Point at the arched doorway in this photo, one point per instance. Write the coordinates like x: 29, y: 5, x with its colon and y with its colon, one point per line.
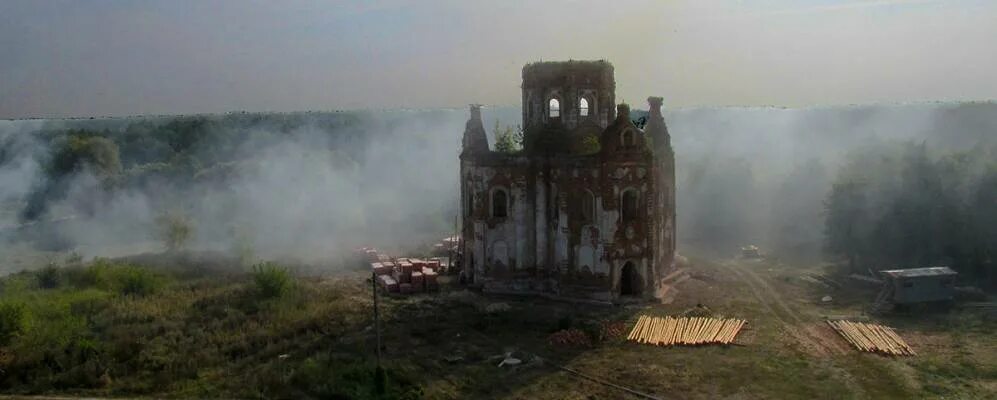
x: 629, y: 280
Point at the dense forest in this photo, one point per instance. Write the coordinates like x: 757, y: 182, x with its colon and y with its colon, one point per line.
x: 903, y: 206
x: 302, y: 185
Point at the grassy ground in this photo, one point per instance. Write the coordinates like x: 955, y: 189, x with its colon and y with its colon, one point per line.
x: 194, y: 328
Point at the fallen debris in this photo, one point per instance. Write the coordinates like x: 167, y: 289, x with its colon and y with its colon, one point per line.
x: 872, y: 338
x: 670, y: 331
x: 571, y: 337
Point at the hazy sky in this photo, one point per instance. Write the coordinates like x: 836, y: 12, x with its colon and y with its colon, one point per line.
x: 85, y: 58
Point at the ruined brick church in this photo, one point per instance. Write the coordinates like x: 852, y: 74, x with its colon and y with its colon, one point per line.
x: 586, y: 209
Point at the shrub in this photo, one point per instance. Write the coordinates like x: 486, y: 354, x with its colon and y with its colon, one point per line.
x: 271, y: 280
x: 136, y: 281
x: 175, y: 229
x: 121, y: 278
x: 95, y: 275
x: 13, y: 318
x: 48, y: 277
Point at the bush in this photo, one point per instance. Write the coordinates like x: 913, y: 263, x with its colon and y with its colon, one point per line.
x: 272, y: 280
x: 13, y: 318
x: 136, y: 281
x: 48, y: 277
x: 124, y: 279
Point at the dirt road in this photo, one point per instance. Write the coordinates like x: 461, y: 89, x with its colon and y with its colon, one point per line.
x: 811, y: 334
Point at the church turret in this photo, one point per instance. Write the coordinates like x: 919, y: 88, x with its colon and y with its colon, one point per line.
x: 475, y: 140
x: 622, y: 135
x: 656, y: 128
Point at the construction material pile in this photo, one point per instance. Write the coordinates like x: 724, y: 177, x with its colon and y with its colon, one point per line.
x: 573, y: 337
x: 872, y: 338
x: 403, y: 275
x: 670, y: 331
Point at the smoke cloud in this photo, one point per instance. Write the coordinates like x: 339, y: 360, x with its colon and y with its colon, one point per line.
x: 314, y: 190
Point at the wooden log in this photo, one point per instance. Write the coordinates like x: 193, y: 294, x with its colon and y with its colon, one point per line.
x: 698, y: 337
x: 716, y: 330
x: 850, y: 330
x: 729, y: 331
x: 883, y: 344
x: 637, y: 327
x: 719, y: 330
x: 887, y: 341
x: 737, y: 329
x: 669, y: 328
x: 692, y: 330
x: 650, y: 328
x: 653, y: 335
x: 712, y: 335
x: 681, y: 330
x: 897, y: 345
x: 687, y: 333
x: 856, y: 330
x: 661, y: 333
x: 670, y: 334
x: 900, y: 340
x: 838, y: 331
x: 847, y: 330
x: 633, y: 331
x: 727, y: 325
x: 658, y: 323
x: 900, y: 344
x: 657, y: 331
x: 701, y: 339
x: 875, y: 345
x: 695, y: 330
x: 643, y: 330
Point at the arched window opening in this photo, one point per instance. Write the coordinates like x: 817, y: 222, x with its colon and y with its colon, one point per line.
x: 628, y: 138
x: 630, y: 282
x: 555, y: 108
x: 588, y: 207
x: 583, y: 107
x: 629, y: 206
x: 500, y: 204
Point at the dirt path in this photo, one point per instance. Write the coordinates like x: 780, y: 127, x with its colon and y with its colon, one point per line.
x: 812, y: 336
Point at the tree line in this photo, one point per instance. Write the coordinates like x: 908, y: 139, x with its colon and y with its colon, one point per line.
x: 906, y: 206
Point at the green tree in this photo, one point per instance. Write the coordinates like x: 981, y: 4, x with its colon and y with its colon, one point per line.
x: 76, y: 152
x: 845, y: 226
x: 508, y: 139
x: 175, y: 229
x: 13, y: 320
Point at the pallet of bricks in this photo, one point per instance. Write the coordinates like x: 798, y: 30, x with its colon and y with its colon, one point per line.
x: 406, y: 275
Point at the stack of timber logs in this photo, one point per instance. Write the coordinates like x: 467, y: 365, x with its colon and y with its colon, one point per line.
x: 670, y: 331
x: 872, y: 338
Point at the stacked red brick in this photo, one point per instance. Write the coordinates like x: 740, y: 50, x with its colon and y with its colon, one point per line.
x: 404, y: 275
x: 429, y: 276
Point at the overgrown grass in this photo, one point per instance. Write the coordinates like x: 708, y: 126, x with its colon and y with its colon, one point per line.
x: 272, y: 280
x: 111, y: 328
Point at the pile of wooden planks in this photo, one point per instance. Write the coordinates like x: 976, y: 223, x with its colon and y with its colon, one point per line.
x: 670, y: 331
x: 872, y: 338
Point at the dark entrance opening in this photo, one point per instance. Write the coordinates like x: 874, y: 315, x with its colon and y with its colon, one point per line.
x: 629, y: 280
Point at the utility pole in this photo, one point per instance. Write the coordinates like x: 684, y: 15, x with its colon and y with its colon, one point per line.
x: 377, y: 317
x: 379, y: 376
